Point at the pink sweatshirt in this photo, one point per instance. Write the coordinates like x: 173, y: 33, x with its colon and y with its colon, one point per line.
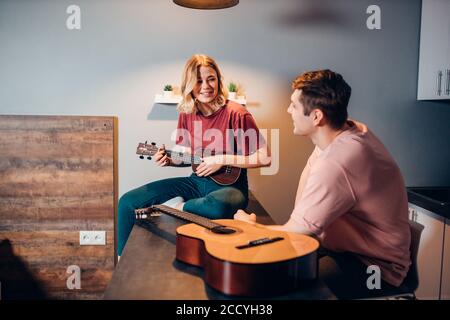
x: 353, y: 197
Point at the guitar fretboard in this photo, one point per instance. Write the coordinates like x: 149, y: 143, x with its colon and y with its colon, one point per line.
x: 202, y: 221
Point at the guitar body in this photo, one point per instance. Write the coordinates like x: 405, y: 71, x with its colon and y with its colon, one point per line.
x: 225, y: 176
x: 264, y: 270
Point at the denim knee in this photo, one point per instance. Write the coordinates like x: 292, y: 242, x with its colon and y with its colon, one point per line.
x: 225, y: 205
x: 125, y: 220
x: 126, y: 202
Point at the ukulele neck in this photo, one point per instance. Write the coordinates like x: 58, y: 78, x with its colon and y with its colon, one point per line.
x: 184, y: 158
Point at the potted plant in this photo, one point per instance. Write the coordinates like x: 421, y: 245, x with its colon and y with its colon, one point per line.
x: 232, y: 89
x: 168, y: 91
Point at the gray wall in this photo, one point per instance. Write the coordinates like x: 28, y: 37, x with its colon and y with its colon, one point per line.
x: 127, y: 50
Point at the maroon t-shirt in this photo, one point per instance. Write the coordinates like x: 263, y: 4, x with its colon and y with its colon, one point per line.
x: 229, y: 130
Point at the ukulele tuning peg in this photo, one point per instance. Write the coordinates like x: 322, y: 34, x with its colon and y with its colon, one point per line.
x: 153, y: 144
x: 141, y: 157
x: 149, y: 158
x: 145, y: 143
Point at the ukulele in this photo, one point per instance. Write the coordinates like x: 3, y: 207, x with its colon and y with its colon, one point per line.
x: 239, y: 258
x: 227, y: 175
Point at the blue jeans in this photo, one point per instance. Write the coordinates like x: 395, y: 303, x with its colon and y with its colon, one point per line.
x: 202, y: 196
x: 346, y: 276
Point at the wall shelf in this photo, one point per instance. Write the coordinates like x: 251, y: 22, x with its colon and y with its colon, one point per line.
x: 159, y: 98
x: 240, y: 101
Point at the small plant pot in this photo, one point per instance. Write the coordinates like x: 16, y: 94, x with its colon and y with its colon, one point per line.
x: 231, y: 95
x: 168, y: 94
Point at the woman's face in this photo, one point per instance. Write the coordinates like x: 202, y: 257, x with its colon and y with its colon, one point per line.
x: 207, y: 86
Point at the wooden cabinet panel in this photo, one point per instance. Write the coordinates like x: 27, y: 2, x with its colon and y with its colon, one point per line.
x: 57, y: 177
x: 445, y: 284
x: 429, y: 256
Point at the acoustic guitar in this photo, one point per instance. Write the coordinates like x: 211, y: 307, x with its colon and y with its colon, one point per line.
x: 225, y: 176
x: 239, y: 258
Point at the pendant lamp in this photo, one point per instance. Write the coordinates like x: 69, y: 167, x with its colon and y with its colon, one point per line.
x: 207, y: 4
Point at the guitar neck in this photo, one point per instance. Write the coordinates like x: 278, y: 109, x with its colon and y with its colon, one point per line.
x: 202, y: 221
x: 185, y: 158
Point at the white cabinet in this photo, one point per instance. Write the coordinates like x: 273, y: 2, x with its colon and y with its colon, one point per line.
x: 429, y: 258
x: 434, y: 56
x: 445, y: 283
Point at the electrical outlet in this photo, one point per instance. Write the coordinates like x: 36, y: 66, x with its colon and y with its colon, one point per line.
x: 92, y: 238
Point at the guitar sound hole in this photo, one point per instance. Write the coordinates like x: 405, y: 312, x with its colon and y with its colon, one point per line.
x: 222, y: 230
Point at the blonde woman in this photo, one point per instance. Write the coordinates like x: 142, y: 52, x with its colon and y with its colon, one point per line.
x: 221, y: 132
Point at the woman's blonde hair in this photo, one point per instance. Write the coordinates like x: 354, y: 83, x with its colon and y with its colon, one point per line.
x: 189, y: 79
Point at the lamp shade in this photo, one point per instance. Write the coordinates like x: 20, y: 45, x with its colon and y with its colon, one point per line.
x: 207, y: 4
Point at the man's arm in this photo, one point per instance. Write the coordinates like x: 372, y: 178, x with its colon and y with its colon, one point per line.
x: 326, y: 196
x: 290, y: 226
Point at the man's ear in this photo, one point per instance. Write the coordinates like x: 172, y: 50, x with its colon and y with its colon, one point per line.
x: 318, y: 117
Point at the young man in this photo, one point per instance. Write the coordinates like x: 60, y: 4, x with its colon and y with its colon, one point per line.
x: 351, y: 194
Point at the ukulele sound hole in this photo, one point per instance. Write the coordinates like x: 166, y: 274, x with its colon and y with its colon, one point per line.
x: 222, y: 230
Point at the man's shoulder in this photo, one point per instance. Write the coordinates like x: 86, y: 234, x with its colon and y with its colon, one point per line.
x: 353, y: 142
x: 326, y: 164
x: 359, y: 151
x: 349, y: 150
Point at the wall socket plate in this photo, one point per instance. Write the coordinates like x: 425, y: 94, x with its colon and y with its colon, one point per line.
x: 92, y: 238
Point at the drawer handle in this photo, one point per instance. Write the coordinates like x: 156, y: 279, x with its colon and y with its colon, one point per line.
x: 439, y: 83
x: 447, y: 85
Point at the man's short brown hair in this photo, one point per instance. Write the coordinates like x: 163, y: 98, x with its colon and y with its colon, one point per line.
x: 325, y: 90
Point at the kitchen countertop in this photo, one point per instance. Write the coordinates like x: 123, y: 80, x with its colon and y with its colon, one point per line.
x: 434, y: 199
x: 148, y: 268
